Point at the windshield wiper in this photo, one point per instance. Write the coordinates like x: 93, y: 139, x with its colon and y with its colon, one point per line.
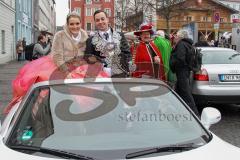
x: 171, y: 148
x: 55, y: 152
x: 234, y: 55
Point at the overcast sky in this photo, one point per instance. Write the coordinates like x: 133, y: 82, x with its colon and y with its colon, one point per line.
x: 61, y: 11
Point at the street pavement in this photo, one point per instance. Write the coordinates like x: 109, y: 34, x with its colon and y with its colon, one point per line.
x: 228, y: 128
x: 8, y: 72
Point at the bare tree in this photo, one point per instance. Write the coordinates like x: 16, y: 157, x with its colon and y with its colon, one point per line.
x: 121, y: 11
x: 167, y: 9
x: 126, y: 8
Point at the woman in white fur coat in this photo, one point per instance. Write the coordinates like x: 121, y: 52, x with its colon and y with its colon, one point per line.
x: 69, y: 43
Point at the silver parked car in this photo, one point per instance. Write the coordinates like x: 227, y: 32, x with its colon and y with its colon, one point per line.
x: 219, y: 78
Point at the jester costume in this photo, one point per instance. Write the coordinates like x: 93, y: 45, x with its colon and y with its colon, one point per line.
x: 115, y: 54
x: 164, y: 46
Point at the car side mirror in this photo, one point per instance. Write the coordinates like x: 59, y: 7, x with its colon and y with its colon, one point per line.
x: 210, y: 116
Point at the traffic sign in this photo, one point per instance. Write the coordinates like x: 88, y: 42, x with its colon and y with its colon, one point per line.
x: 236, y: 20
x: 217, y: 17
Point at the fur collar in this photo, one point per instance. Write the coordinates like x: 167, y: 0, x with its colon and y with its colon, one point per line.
x: 84, y: 35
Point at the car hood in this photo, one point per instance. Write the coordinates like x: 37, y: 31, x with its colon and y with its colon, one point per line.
x: 215, y: 149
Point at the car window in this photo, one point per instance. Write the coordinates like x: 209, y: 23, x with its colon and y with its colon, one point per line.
x: 35, y: 120
x: 221, y: 57
x: 59, y: 118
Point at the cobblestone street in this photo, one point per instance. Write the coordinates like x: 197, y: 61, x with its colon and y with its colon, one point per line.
x: 7, y: 74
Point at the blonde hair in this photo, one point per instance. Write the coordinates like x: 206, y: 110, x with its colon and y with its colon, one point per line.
x: 73, y: 14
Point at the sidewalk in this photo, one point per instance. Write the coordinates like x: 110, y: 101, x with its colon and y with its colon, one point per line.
x: 8, y: 72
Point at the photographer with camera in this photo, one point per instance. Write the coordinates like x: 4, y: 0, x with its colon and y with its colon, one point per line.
x: 42, y: 47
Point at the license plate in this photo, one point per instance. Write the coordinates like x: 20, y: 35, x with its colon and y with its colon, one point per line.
x: 230, y: 78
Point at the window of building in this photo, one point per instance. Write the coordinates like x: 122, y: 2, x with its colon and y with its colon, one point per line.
x: 23, y: 31
x: 25, y: 6
x: 3, y: 42
x: 108, y: 11
x: 204, y: 19
x: 222, y: 20
x: 19, y: 30
x: 189, y: 18
x: 97, y: 0
x: 78, y: 10
x: 20, y: 6
x: 209, y: 19
x: 88, y: 12
x: 118, y: 14
x: 26, y: 34
x: 29, y: 7
x: 89, y: 27
x: 107, y: 0
x: 96, y: 9
x: 88, y: 1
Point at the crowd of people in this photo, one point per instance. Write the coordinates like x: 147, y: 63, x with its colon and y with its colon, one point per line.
x: 20, y: 49
x: 35, y: 50
x: 151, y: 56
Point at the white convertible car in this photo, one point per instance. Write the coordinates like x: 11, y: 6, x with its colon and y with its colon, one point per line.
x: 109, y: 119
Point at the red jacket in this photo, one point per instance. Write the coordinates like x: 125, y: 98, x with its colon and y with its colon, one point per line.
x: 144, y: 61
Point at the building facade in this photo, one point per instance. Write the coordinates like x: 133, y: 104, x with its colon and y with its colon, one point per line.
x: 210, y: 16
x: 235, y: 4
x: 44, y: 17
x: 86, y: 9
x: 7, y: 31
x: 35, y: 20
x: 139, y: 12
x: 24, y: 20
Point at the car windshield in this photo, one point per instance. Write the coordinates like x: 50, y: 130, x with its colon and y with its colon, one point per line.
x: 116, y: 119
x: 220, y: 57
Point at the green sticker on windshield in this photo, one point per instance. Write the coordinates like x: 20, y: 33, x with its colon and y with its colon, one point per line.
x: 27, y: 135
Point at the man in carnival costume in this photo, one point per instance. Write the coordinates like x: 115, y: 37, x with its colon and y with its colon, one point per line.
x: 164, y: 45
x: 148, y: 57
x: 110, y: 46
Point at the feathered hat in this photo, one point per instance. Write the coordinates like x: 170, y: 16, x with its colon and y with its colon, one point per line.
x: 145, y: 27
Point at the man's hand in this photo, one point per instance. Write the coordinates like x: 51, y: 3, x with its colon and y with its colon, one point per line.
x: 132, y: 67
x: 157, y: 59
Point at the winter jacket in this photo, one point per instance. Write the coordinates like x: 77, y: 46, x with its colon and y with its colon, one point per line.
x: 145, y: 61
x: 179, y: 55
x: 39, y: 50
x: 202, y: 44
x: 64, y: 48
